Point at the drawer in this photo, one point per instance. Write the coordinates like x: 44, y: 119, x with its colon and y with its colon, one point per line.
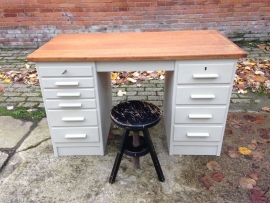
x: 67, y: 82
x: 69, y: 93
x: 205, y: 73
x: 73, y: 117
x: 195, y: 149
x: 200, y: 114
x: 53, y: 70
x: 202, y: 95
x: 198, y: 133
x: 78, y: 150
x: 73, y: 135
x: 71, y: 104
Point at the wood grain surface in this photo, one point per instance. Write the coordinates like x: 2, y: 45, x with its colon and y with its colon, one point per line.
x: 171, y: 45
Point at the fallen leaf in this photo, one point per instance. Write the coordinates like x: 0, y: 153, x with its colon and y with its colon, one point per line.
x: 131, y: 80
x: 264, y: 133
x: 111, y: 136
x: 10, y: 107
x: 247, y: 183
x: 120, y: 93
x: 1, y: 75
x: 260, y: 78
x: 266, y: 109
x: 244, y: 150
x: 228, y: 132
x: 162, y: 77
x: 261, y: 46
x: 6, y: 81
x: 254, y: 176
x: 257, y: 197
x: 2, y: 89
x: 205, y: 181
x: 114, y: 76
x: 252, y: 146
x: 213, y: 165
x: 257, y: 155
x: 233, y: 154
x: 217, y: 176
x: 27, y: 66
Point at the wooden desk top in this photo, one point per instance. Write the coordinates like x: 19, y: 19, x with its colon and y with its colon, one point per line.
x: 171, y: 45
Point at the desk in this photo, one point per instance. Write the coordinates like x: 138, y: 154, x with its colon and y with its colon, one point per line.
x: 74, y: 72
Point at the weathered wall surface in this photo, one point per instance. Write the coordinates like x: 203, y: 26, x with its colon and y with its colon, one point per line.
x: 31, y: 23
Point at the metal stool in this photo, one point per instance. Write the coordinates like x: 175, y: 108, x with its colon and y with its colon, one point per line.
x: 136, y: 116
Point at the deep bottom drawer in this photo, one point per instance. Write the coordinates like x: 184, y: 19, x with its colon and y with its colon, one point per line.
x: 79, y: 150
x: 195, y: 150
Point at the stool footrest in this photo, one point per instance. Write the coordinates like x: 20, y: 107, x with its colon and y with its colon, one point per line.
x: 138, y: 151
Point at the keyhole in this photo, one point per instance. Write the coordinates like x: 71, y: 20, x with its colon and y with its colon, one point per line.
x: 205, y: 68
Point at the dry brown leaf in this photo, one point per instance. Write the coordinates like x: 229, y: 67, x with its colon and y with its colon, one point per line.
x: 205, y: 181
x: 213, y: 165
x: 261, y: 46
x: 233, y: 154
x: 217, y: 176
x: 254, y: 176
x: 266, y: 109
x: 2, y: 89
x: 247, y: 183
x: 257, y: 197
x: 257, y: 155
x: 252, y: 146
x: 260, y: 78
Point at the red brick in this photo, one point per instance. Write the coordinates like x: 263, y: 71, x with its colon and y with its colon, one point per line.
x: 7, y: 15
x: 44, y: 1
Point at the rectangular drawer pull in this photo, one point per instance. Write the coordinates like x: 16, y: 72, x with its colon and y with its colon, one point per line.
x: 73, y: 119
x: 200, y: 116
x: 70, y: 105
x: 72, y: 94
x: 75, y: 136
x: 201, y: 96
x: 67, y: 83
x: 204, y: 76
x: 198, y: 134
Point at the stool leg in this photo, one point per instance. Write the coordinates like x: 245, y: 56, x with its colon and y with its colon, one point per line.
x: 119, y: 156
x: 153, y: 155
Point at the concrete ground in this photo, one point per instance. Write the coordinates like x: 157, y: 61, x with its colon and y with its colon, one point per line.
x: 29, y: 172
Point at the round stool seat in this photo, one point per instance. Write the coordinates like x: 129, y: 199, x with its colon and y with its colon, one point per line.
x: 136, y: 115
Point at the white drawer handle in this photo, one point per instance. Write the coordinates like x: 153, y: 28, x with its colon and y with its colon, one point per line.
x: 200, y: 116
x: 75, y: 136
x: 70, y: 105
x: 73, y: 119
x: 202, y: 96
x: 75, y: 94
x: 202, y: 76
x: 67, y: 83
x: 198, y: 134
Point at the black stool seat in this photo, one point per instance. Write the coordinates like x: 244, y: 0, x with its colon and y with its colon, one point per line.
x: 136, y: 116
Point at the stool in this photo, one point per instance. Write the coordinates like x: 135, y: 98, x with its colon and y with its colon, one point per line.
x: 136, y: 116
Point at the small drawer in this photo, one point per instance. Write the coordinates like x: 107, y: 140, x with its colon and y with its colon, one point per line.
x: 72, y: 135
x: 71, y: 104
x: 205, y: 73
x: 53, y: 70
x: 67, y: 82
x: 200, y: 114
x: 195, y: 149
x: 69, y: 93
x: 78, y: 150
x: 197, y: 133
x: 73, y: 117
x: 202, y: 95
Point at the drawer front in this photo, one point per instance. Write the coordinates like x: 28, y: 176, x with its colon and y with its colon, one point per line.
x: 197, y: 133
x: 67, y: 82
x: 199, y: 114
x: 65, y: 71
x: 202, y: 95
x: 195, y: 150
x: 78, y: 150
x: 69, y: 93
x: 73, y: 117
x: 71, y: 104
x: 205, y: 73
x: 72, y: 135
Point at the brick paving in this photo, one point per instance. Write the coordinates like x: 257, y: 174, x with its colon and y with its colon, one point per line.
x: 153, y: 90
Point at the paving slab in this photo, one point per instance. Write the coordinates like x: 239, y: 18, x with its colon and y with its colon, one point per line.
x: 36, y: 175
x: 12, y: 131
x: 40, y: 134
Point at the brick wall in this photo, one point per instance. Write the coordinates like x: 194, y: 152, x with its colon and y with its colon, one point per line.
x: 31, y: 23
